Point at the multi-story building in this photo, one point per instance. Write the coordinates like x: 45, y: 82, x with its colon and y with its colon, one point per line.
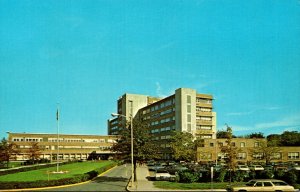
x: 70, y: 146
x: 211, y: 151
x: 185, y: 111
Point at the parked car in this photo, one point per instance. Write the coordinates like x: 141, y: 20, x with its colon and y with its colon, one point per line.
x: 242, y: 168
x: 281, y: 168
x: 173, y: 169
x: 295, y: 167
x: 155, y: 167
x: 162, y: 174
x: 265, y: 185
x: 256, y: 167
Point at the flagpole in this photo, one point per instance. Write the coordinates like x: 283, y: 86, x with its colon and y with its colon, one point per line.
x: 57, y: 120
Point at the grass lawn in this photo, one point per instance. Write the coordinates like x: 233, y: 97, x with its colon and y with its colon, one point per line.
x: 42, y: 174
x: 174, y: 185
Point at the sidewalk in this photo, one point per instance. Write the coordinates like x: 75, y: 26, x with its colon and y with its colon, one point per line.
x: 143, y: 184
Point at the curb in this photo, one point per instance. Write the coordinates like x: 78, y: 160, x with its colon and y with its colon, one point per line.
x: 60, y: 186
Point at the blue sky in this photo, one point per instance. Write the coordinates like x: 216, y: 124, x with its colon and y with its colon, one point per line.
x: 84, y: 54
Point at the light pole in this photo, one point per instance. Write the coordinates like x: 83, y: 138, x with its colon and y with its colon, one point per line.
x: 131, y: 133
x: 57, y: 120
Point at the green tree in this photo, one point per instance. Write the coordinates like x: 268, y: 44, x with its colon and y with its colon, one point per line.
x: 268, y: 149
x: 34, y: 152
x: 275, y: 139
x: 230, y: 151
x: 8, y: 151
x: 290, y: 138
x: 183, y: 146
x: 221, y: 134
x: 143, y: 146
x: 256, y: 135
x: 287, y: 138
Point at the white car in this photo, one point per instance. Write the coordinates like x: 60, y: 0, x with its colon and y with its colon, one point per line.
x: 256, y: 167
x: 162, y: 174
x: 243, y: 168
x: 265, y: 185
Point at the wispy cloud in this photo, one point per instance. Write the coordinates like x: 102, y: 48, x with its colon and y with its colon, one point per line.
x: 287, y: 123
x: 265, y: 108
x: 239, y: 113
x: 159, y: 91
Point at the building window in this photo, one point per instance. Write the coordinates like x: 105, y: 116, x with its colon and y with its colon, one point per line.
x: 189, y: 108
x: 189, y: 127
x: 293, y: 155
x: 188, y: 99
x: 243, y: 144
x: 189, y: 117
x: 205, y: 156
x: 206, y: 136
x: 258, y: 156
x: 276, y: 156
x: 211, y: 144
x: 241, y: 156
x: 256, y: 144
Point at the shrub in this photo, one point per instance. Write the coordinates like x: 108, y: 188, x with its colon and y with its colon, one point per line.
x: 279, y: 174
x: 222, y: 175
x: 267, y: 174
x: 187, y: 177
x: 239, y: 176
x: 291, y: 177
x: 252, y: 175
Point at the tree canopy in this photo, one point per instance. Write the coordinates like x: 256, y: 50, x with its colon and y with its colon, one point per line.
x: 34, y: 152
x: 143, y: 146
x: 230, y: 151
x: 287, y: 138
x: 183, y: 146
x: 7, y: 151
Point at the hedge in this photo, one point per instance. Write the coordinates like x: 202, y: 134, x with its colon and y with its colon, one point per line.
x: 72, y: 180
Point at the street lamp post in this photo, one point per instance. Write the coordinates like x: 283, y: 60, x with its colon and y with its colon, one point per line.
x: 131, y: 133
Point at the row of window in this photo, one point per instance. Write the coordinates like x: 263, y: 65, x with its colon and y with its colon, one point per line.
x: 256, y: 156
x: 203, y: 136
x: 204, y: 101
x: 162, y: 137
x: 201, y: 127
x: 203, y: 118
x: 162, y: 121
x: 162, y: 129
x: 63, y: 140
x: 159, y: 106
x: 242, y: 144
x: 203, y: 109
x: 156, y: 115
x: 66, y: 147
x: 28, y: 139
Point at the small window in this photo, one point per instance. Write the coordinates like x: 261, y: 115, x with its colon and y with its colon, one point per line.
x: 279, y: 183
x: 259, y: 184
x: 188, y: 99
x: 243, y: 144
x: 268, y: 184
x: 211, y: 144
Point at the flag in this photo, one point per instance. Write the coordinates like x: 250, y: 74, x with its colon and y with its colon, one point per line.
x: 57, y: 115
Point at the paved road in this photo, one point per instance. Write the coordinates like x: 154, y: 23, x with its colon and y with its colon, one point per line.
x: 114, y: 180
